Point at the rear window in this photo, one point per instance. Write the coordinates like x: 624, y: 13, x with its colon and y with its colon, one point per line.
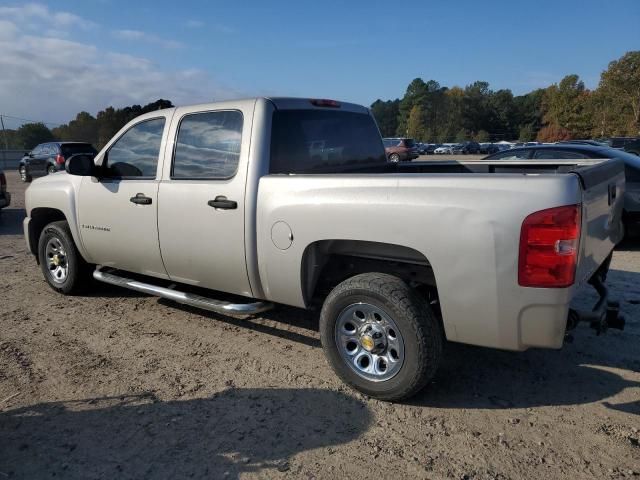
x: 324, y: 141
x: 409, y: 143
x: 75, y: 148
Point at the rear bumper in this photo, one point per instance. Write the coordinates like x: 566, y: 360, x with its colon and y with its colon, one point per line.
x: 546, y: 326
x: 5, y: 201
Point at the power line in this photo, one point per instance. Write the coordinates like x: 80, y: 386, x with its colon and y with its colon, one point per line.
x: 29, y: 120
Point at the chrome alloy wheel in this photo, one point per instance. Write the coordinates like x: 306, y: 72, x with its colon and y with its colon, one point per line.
x: 23, y: 173
x: 369, y: 342
x: 56, y: 260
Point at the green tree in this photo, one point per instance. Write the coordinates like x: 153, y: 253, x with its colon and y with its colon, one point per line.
x: 566, y: 106
x: 386, y: 114
x: 415, y: 126
x: 527, y: 133
x: 482, y: 136
x: 31, y: 134
x: 620, y: 89
x: 415, y: 95
x: 462, y: 135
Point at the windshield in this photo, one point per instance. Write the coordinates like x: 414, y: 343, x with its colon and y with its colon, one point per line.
x: 74, y: 148
x: 324, y: 141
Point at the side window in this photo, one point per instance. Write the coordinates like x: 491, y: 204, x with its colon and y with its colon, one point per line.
x: 37, y: 150
x: 135, y: 153
x: 208, y: 145
x: 512, y: 155
x: 558, y: 154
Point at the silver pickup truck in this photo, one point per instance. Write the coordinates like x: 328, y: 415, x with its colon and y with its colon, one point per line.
x: 238, y: 205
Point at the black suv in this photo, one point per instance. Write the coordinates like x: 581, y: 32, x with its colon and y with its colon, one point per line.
x: 49, y: 158
x: 467, y: 148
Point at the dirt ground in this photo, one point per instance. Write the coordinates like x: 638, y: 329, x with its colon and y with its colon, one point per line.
x: 121, y: 385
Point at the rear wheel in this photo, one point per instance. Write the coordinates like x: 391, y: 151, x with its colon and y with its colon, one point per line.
x: 51, y: 169
x: 380, y: 336
x: 63, y: 267
x: 24, y: 174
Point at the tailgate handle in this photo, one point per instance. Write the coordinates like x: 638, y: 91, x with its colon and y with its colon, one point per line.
x: 613, y: 191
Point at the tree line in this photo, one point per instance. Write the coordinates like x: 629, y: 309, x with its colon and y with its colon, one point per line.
x: 566, y: 110
x: 85, y: 127
x: 435, y: 113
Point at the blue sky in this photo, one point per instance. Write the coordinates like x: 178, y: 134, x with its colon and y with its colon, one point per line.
x: 117, y: 52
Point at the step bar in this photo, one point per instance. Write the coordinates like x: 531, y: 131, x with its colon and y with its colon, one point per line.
x: 213, y: 305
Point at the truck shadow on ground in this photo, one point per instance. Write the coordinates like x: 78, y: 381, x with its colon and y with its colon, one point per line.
x: 236, y: 431
x: 477, y: 378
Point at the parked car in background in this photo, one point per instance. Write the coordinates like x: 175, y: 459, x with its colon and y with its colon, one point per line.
x: 443, y: 150
x: 594, y: 143
x: 567, y: 151
x: 467, y: 148
x: 431, y: 148
x: 621, y: 142
x: 633, y: 147
x: 421, y: 148
x: 400, y: 149
x: 5, y: 197
x: 50, y: 157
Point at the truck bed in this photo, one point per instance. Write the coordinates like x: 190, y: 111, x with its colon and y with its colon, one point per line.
x: 590, y: 171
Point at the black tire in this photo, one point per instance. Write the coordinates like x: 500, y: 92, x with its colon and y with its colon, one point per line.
x: 419, y: 328
x: 78, y: 274
x: 51, y: 169
x: 24, y: 174
x: 394, y: 157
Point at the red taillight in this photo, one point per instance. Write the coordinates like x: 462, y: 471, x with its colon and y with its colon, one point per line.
x: 59, y: 159
x: 323, y: 102
x: 549, y: 247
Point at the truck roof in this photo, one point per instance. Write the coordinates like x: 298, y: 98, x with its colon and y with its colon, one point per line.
x: 282, y: 103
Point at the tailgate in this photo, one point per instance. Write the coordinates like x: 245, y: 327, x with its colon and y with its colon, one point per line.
x: 602, y: 200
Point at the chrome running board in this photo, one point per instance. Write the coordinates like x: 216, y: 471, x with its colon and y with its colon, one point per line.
x: 191, y: 299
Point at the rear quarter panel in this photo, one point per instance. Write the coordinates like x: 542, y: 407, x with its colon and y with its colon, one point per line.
x: 467, y: 227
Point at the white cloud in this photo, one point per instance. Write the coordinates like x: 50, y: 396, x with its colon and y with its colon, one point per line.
x: 194, y: 23
x: 32, y: 15
x: 51, y: 79
x: 138, y: 36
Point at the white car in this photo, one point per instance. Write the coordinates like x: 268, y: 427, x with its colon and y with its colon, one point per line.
x: 444, y: 149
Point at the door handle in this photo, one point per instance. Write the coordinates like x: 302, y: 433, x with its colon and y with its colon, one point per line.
x: 222, y: 202
x: 141, y: 199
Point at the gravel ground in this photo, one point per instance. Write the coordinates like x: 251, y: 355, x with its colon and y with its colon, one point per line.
x: 121, y: 385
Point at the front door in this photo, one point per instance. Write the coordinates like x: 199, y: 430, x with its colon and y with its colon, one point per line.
x: 118, y: 214
x: 201, y: 207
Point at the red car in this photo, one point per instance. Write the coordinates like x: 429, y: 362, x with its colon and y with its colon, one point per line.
x: 400, y: 149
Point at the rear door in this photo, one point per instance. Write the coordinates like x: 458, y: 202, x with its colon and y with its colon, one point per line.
x: 201, y: 205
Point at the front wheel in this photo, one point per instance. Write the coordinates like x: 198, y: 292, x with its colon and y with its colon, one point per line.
x: 63, y: 267
x: 394, y: 158
x: 380, y: 336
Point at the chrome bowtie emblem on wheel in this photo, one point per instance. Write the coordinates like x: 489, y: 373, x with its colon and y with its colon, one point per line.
x: 369, y: 342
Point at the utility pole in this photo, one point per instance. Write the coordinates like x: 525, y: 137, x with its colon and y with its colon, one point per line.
x: 6, y: 145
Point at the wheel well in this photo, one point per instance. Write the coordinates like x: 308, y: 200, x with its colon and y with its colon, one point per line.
x: 327, y: 263
x: 40, y: 218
